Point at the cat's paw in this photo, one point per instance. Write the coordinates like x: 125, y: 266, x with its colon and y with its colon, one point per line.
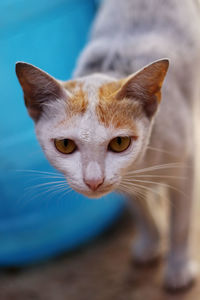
x: 146, y: 251
x: 180, y: 276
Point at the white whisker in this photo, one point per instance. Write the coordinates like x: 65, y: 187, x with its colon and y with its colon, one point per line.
x: 157, y: 167
x: 50, y: 191
x: 154, y: 191
x: 155, y: 176
x: 161, y: 151
x: 37, y: 172
x: 132, y: 189
x: 157, y: 183
x: 54, y: 183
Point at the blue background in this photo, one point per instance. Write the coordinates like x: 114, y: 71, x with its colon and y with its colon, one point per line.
x: 35, y: 224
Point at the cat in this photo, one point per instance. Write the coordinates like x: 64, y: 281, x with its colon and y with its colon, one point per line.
x: 107, y: 129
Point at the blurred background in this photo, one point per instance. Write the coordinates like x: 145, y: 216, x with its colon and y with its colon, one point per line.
x: 37, y: 223
x: 36, y: 220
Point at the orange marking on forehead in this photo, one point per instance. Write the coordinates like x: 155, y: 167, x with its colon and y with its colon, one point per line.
x: 114, y: 112
x: 77, y: 102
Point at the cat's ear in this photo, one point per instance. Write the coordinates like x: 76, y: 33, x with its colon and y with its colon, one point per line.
x: 38, y: 87
x: 145, y: 86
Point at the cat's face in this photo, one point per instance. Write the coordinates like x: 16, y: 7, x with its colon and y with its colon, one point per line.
x: 93, y: 129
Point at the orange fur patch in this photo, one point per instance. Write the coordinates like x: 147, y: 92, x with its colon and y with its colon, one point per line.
x: 118, y: 113
x: 77, y: 102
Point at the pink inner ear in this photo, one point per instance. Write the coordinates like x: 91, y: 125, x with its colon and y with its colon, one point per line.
x: 38, y: 87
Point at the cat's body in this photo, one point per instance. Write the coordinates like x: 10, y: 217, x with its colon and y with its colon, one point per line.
x: 87, y: 117
x: 127, y: 35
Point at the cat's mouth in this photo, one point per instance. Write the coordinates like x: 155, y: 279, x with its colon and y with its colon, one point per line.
x: 102, y: 191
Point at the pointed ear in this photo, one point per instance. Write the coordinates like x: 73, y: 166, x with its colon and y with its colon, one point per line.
x: 145, y: 86
x: 38, y: 88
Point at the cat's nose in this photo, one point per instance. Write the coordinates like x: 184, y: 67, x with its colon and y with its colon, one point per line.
x: 93, y: 184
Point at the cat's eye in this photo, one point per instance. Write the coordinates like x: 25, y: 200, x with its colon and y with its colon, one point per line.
x: 65, y: 146
x: 119, y: 144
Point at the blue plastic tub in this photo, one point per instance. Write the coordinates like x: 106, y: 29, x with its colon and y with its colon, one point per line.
x: 35, y: 224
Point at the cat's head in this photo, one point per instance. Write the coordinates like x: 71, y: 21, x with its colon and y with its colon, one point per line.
x: 95, y: 128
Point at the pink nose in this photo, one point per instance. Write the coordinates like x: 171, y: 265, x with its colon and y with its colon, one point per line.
x: 93, y: 184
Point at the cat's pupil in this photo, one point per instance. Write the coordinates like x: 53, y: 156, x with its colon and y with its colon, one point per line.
x: 119, y: 140
x: 65, y: 142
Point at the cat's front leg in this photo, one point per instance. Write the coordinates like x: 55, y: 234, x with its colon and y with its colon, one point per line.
x: 180, y: 269
x: 146, y: 245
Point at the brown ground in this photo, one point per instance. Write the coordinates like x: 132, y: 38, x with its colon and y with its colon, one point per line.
x: 100, y: 271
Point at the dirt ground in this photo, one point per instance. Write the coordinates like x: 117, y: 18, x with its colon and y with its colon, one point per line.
x: 102, y: 270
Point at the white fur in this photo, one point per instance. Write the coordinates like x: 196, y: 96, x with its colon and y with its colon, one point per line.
x: 92, y: 159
